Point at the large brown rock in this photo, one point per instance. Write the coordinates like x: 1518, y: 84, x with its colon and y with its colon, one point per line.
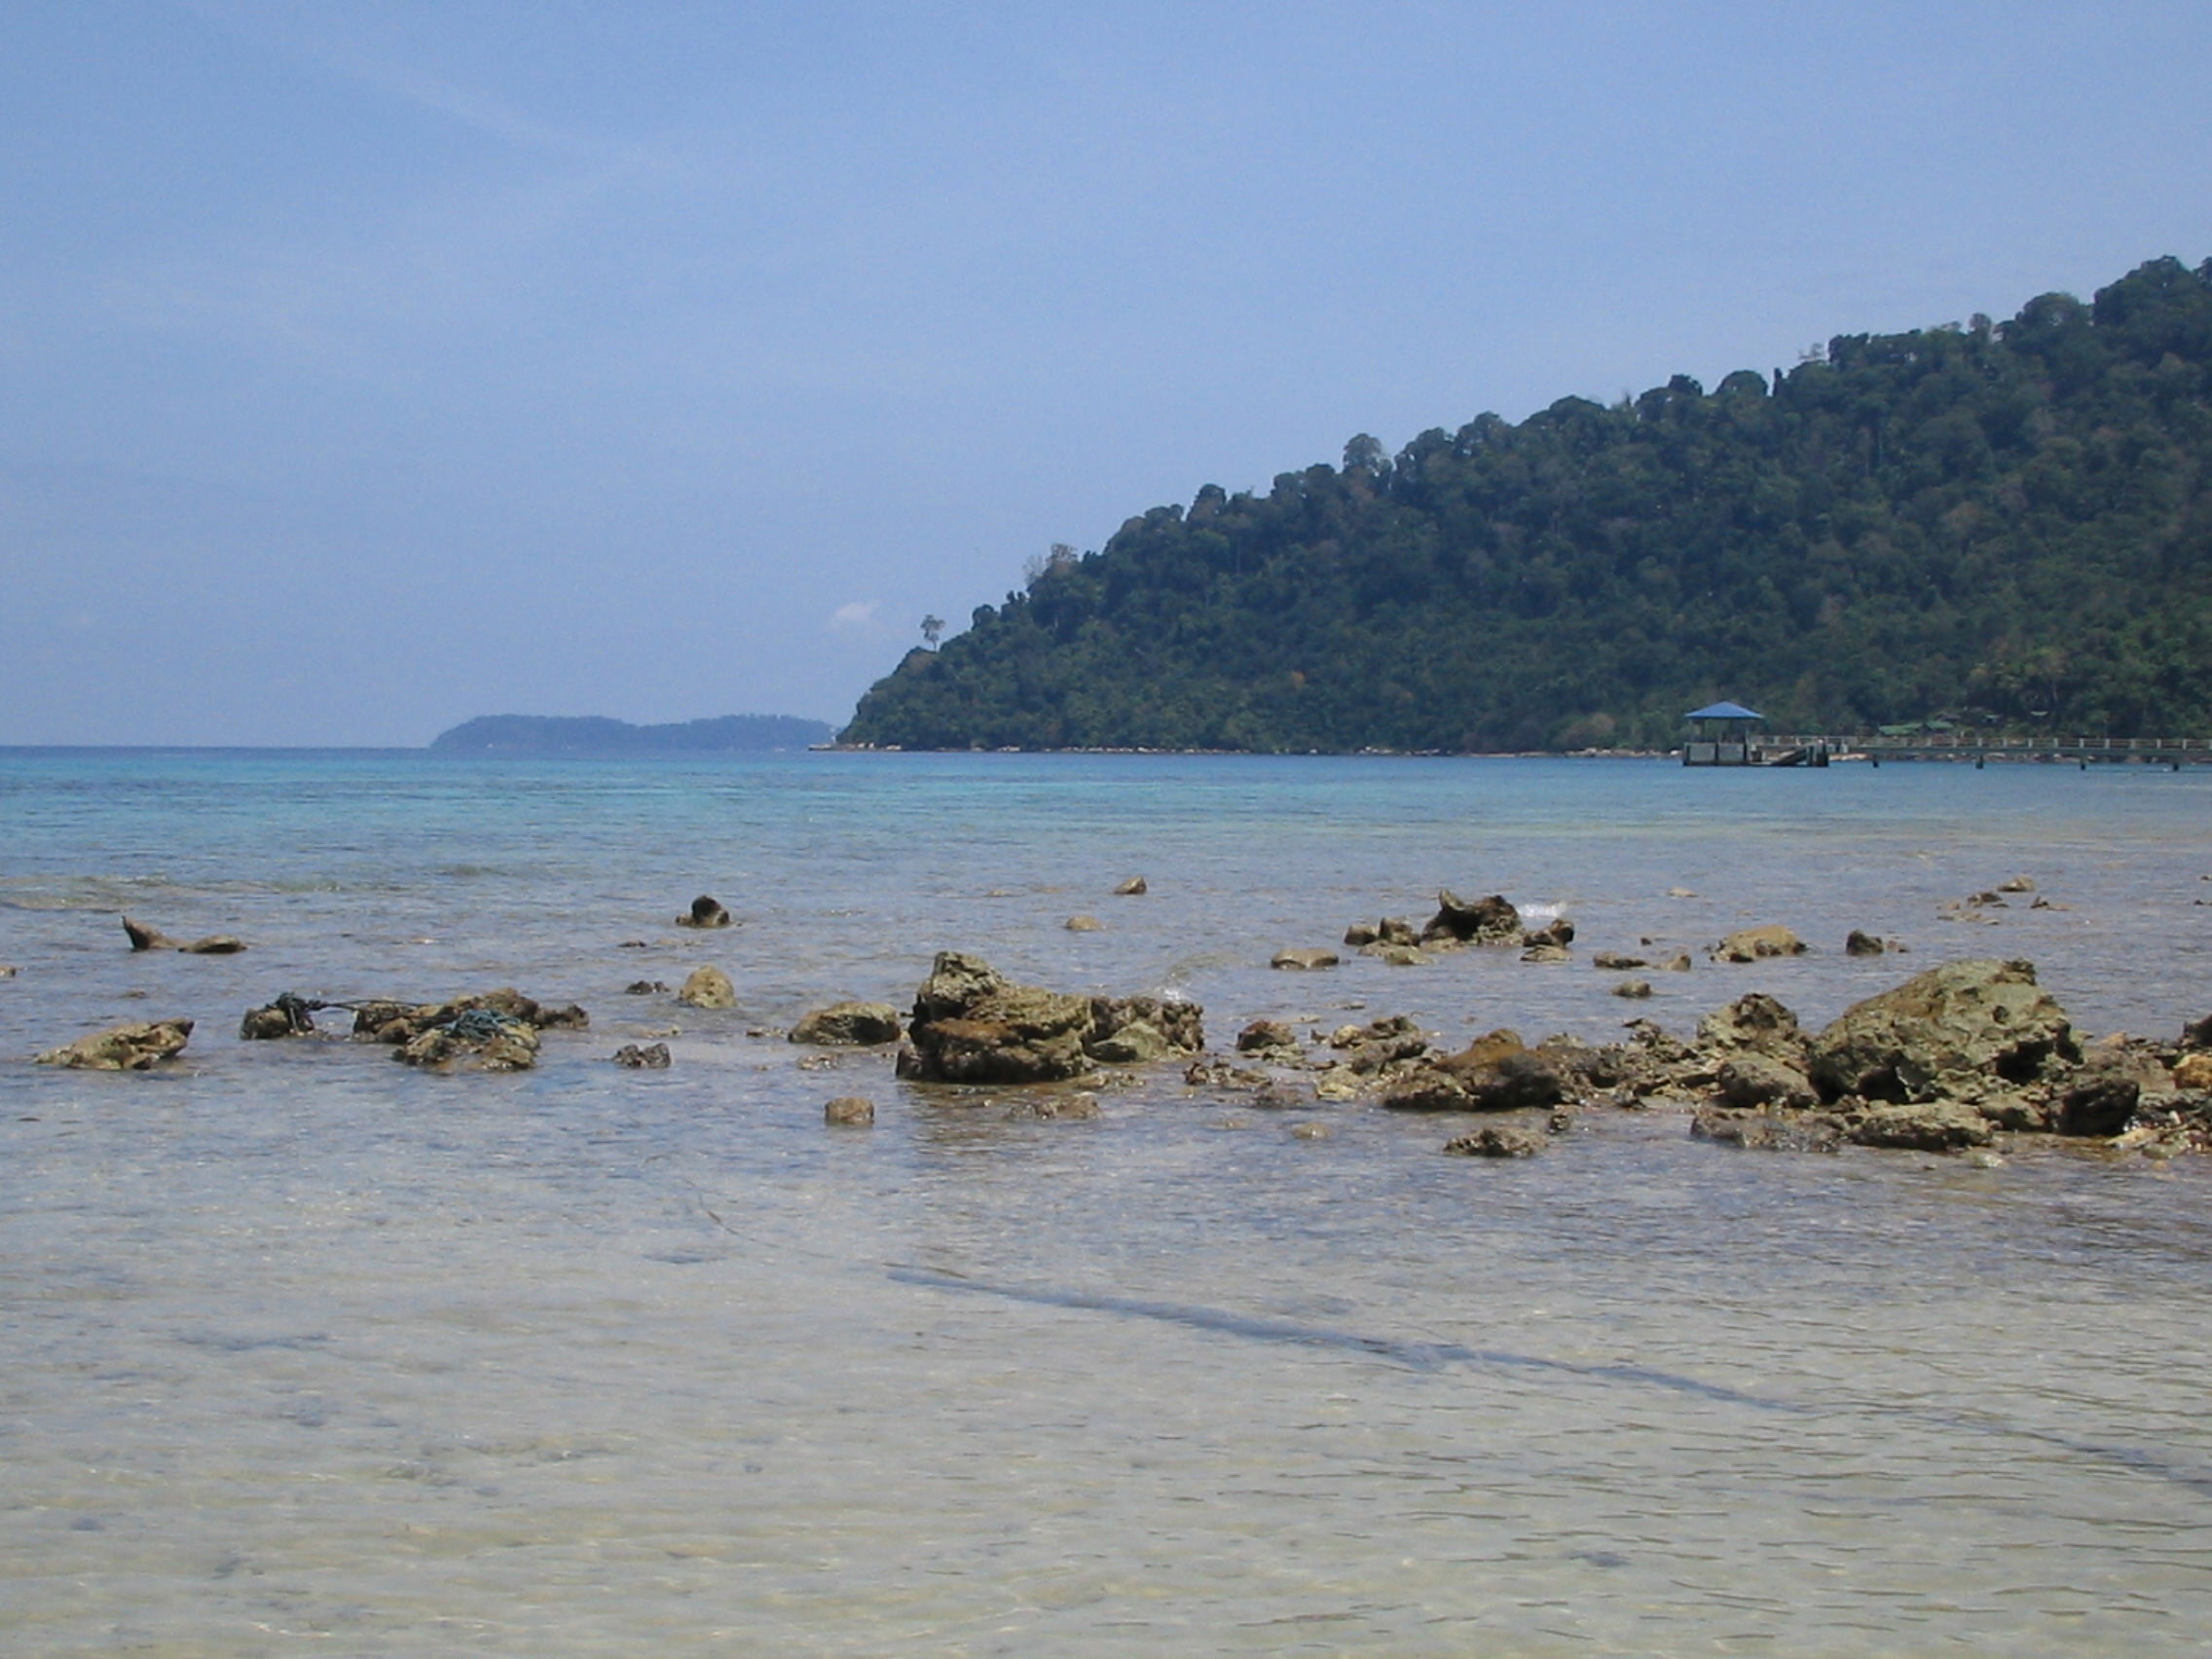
x: 1486, y: 921
x: 123, y: 1048
x: 1921, y: 1126
x: 1982, y: 1021
x: 971, y: 1024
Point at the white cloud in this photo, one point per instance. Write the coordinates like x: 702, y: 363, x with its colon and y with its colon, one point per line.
x: 860, y: 614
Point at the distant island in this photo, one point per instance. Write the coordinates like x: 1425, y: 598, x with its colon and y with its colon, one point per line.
x: 592, y: 734
x: 2007, y: 526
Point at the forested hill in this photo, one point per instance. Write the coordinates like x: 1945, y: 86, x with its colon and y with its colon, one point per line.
x: 2007, y: 523
x: 593, y: 734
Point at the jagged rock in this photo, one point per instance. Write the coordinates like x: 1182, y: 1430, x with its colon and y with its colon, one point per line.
x: 1752, y: 1079
x: 1634, y: 989
x: 706, y: 912
x: 1486, y: 921
x: 1862, y: 944
x: 1395, y: 930
x: 1981, y: 1019
x: 152, y: 938
x: 1304, y: 957
x: 2198, y: 1034
x: 1520, y: 1134
x: 1083, y: 924
x: 1618, y: 962
x: 651, y: 1058
x: 1158, y: 1025
x: 2193, y: 1071
x: 1266, y: 1035
x: 1132, y: 888
x: 1678, y: 963
x: 473, y: 1039
x: 123, y: 1048
x: 849, y: 1110
x: 708, y: 987
x: 1751, y: 944
x: 1360, y: 934
x: 972, y: 1025
x: 1547, y: 953
x: 1754, y: 1023
x: 849, y: 1024
x: 1764, y: 1130
x: 1921, y: 1126
x: 1558, y: 931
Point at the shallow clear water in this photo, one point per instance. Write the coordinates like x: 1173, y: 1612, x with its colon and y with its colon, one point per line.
x: 309, y: 1352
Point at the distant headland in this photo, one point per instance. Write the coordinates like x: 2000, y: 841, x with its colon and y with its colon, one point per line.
x: 594, y: 734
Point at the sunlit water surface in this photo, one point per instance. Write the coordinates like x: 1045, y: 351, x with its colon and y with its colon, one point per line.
x: 306, y: 1353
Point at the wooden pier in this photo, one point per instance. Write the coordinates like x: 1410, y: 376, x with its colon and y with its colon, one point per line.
x: 1818, y: 749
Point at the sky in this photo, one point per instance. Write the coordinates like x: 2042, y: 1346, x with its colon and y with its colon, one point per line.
x: 368, y: 367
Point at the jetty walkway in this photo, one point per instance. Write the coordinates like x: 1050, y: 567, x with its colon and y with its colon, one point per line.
x: 1817, y: 749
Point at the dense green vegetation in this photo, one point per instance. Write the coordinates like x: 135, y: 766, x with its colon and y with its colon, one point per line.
x: 593, y: 734
x: 2008, y: 525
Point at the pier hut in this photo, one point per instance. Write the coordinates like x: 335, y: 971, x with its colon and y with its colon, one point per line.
x: 1722, y: 736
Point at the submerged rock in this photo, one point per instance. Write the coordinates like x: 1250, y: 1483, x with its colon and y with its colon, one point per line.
x: 849, y: 1110
x: 1753, y: 944
x: 849, y: 1024
x: 123, y: 1048
x: 706, y: 911
x: 153, y: 939
x: 708, y: 987
x: 1302, y: 957
x: 1518, y: 1134
x: 651, y: 1058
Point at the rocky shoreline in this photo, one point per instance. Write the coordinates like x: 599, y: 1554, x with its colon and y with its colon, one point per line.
x: 1966, y: 1058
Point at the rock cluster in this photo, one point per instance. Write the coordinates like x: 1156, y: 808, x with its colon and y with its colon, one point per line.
x: 971, y: 1024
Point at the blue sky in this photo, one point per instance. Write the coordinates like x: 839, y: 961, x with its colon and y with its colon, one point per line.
x: 367, y: 367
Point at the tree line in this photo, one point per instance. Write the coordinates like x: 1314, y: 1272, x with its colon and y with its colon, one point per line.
x: 2006, y: 524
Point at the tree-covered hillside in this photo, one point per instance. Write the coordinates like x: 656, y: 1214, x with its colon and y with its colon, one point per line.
x: 2009, y: 524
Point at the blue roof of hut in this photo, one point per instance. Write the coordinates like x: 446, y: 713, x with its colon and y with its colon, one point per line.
x: 1725, y: 711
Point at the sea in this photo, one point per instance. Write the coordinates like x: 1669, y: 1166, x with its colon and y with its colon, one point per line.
x: 302, y: 1351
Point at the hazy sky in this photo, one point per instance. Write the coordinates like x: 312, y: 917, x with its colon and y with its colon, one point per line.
x: 365, y: 367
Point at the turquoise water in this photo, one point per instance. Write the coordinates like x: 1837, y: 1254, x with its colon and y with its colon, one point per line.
x: 309, y: 1353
